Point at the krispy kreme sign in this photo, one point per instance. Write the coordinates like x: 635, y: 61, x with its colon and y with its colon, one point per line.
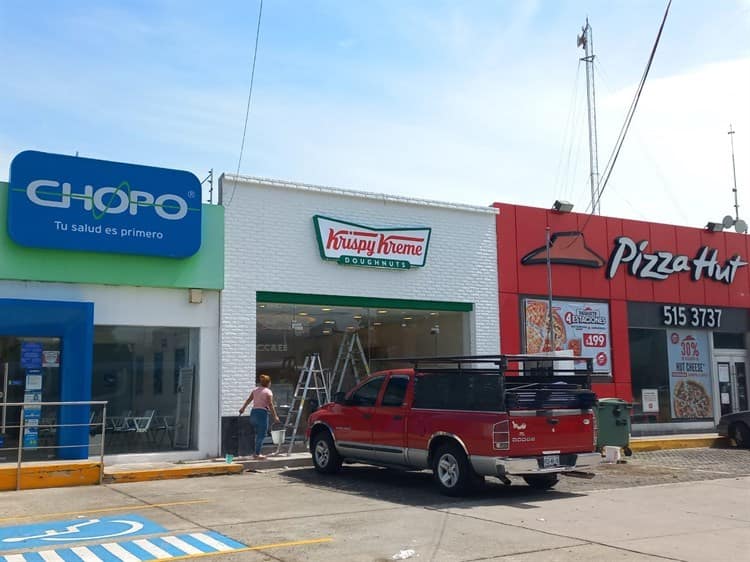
x: 354, y: 244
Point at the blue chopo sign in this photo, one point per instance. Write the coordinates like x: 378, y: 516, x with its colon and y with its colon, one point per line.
x: 73, y: 203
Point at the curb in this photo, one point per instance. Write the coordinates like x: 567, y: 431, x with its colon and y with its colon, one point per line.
x: 50, y: 475
x: 171, y: 473
x: 666, y: 443
x: 277, y: 463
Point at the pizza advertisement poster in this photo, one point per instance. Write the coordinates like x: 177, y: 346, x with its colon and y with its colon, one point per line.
x: 582, y: 327
x: 690, y: 389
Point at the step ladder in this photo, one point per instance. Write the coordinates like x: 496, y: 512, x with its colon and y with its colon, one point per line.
x: 351, y: 355
x: 311, y: 384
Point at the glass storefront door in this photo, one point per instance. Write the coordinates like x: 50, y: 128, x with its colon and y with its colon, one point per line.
x: 29, y: 372
x: 731, y: 369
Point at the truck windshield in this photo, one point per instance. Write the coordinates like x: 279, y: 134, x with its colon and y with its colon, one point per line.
x: 459, y: 391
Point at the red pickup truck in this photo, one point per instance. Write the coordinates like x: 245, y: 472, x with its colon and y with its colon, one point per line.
x: 465, y: 418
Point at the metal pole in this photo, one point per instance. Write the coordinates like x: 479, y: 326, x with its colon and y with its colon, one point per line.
x: 20, y: 449
x: 549, y: 292
x: 586, y: 40
x: 101, y: 450
x: 734, y: 174
x: 5, y: 397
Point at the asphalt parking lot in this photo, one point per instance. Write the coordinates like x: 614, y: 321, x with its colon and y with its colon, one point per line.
x: 676, y: 505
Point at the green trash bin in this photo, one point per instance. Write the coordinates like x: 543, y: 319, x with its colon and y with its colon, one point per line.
x: 613, y: 423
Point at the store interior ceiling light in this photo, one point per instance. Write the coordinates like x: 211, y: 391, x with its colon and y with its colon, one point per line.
x: 329, y: 322
x: 408, y: 318
x: 326, y: 309
x: 302, y: 314
x: 377, y: 323
x: 562, y: 206
x: 357, y: 316
x: 433, y: 313
x: 382, y: 312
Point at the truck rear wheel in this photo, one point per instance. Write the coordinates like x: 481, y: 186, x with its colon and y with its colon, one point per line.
x: 326, y: 458
x: 541, y: 481
x: 452, y: 470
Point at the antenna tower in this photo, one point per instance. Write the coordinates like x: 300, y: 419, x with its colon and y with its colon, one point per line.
x: 586, y: 42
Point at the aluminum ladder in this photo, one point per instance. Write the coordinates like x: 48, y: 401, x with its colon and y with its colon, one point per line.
x: 311, y: 380
x: 351, y: 354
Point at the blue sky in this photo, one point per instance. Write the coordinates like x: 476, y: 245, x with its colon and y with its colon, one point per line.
x: 471, y: 102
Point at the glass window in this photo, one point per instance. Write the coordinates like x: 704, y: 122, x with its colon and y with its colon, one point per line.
x: 148, y: 378
x: 725, y: 340
x: 395, y: 392
x: 367, y: 394
x: 649, y: 367
x: 459, y: 391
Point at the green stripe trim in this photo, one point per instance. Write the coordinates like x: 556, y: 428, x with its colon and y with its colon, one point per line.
x: 363, y: 302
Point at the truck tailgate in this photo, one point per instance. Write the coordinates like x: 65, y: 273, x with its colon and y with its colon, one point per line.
x: 538, y: 432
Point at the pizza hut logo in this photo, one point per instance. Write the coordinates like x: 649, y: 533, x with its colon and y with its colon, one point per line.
x: 355, y: 244
x: 519, y: 426
x: 565, y: 248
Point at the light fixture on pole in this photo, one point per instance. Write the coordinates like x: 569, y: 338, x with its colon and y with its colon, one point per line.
x: 549, y: 293
x: 562, y: 206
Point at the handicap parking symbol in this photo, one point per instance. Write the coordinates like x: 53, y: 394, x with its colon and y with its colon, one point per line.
x: 76, y: 530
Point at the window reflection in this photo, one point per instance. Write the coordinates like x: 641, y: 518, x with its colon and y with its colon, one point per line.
x: 146, y: 375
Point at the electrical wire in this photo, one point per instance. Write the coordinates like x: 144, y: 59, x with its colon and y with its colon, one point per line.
x: 247, y: 109
x: 628, y: 119
x: 674, y: 200
x: 569, y: 120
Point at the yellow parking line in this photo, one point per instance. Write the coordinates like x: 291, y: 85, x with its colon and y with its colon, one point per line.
x: 261, y: 547
x: 101, y: 510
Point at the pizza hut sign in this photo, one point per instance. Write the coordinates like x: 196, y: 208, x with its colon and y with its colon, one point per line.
x: 661, y: 265
x: 354, y: 244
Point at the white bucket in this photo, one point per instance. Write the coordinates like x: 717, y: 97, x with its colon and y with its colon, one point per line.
x: 611, y: 454
x: 278, y: 436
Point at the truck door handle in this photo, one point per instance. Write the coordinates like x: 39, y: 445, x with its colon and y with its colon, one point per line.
x: 553, y: 421
x: 398, y: 417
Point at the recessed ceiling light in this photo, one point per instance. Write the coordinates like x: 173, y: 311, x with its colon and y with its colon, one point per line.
x: 377, y: 323
x: 433, y: 313
x: 326, y: 332
x: 261, y: 306
x: 302, y: 314
x: 357, y: 316
x: 326, y: 309
x: 382, y: 312
x: 408, y: 318
x: 329, y: 322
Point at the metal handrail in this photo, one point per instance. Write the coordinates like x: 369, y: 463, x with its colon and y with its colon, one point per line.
x: 22, y: 425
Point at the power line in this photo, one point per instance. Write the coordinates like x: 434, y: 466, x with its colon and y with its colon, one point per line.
x: 249, y: 99
x: 629, y: 117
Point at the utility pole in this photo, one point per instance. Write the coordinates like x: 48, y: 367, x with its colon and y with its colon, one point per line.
x: 734, y: 174
x: 586, y: 41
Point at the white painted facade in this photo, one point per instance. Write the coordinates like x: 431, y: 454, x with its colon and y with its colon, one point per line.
x: 151, y: 307
x: 270, y: 245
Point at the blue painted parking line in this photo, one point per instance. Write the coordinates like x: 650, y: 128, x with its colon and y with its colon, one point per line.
x: 51, y: 533
x: 138, y: 550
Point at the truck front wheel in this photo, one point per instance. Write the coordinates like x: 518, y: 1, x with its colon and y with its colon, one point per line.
x: 326, y: 458
x: 452, y: 470
x: 541, y: 481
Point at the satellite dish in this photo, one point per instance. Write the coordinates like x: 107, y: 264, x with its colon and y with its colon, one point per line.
x: 727, y: 221
x: 740, y: 226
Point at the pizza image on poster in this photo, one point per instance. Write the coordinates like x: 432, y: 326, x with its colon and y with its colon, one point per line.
x: 582, y: 327
x: 689, y: 375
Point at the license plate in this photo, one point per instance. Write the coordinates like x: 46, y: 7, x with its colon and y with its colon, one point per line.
x: 550, y: 460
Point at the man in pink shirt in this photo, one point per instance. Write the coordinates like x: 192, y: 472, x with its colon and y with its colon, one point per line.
x: 262, y: 399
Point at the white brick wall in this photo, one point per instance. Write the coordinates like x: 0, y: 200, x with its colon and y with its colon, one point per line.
x: 271, y: 246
